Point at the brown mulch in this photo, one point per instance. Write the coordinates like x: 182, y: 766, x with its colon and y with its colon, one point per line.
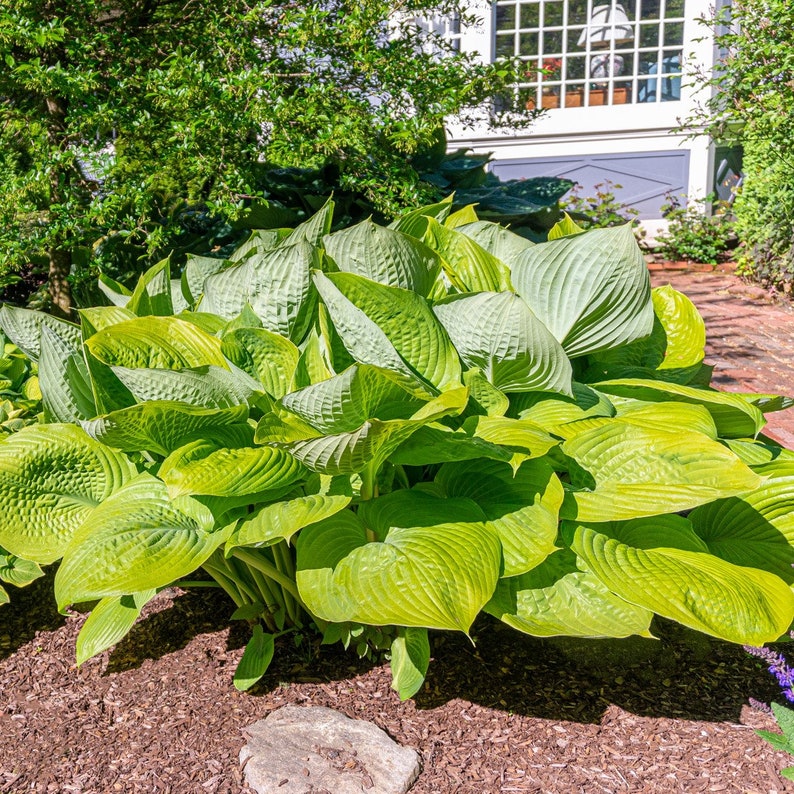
x: 510, y: 713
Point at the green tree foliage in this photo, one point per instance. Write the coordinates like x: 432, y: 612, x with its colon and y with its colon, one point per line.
x: 113, y: 112
x: 752, y: 105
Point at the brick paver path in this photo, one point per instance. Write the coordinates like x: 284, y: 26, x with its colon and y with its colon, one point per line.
x: 750, y: 340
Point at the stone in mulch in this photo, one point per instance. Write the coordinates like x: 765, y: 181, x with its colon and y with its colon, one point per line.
x: 297, y: 750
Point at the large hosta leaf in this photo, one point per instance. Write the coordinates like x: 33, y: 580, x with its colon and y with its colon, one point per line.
x: 51, y: 478
x: 156, y: 343
x: 268, y: 357
x: 436, y: 577
x: 139, y: 539
x: 160, y: 426
x: 384, y: 255
x: 276, y: 284
x: 642, y: 562
x: 756, y: 530
x: 23, y: 328
x: 733, y: 416
x: 152, y: 293
x: 437, y: 443
x: 627, y: 471
x: 65, y: 383
x: 559, y: 598
x: 548, y: 409
x: 496, y: 240
x: 197, y: 270
x: 499, y: 334
x: 592, y: 291
x: 522, y: 509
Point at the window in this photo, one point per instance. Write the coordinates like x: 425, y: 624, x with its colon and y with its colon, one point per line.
x: 593, y: 52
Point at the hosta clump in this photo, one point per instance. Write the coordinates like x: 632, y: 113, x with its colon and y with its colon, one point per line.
x: 382, y: 431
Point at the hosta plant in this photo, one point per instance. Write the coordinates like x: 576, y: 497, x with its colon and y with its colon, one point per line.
x: 382, y: 431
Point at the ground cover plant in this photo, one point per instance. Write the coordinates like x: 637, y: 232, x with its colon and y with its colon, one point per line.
x: 385, y: 430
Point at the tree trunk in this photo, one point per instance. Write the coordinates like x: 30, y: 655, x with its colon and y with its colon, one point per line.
x: 59, y: 289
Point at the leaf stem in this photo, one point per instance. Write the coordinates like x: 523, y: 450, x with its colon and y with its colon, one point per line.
x: 267, y: 568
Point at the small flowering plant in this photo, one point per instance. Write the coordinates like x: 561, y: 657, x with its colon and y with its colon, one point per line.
x: 784, y: 715
x: 551, y: 68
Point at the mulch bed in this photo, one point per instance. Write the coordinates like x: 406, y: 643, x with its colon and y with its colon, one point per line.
x: 512, y: 713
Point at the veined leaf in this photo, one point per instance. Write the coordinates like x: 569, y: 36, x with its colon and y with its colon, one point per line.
x: 197, y: 270
x: 23, y: 328
x: 384, y: 255
x: 410, y: 657
x: 733, y: 416
x: 434, y: 577
x: 64, y: 380
x: 315, y: 228
x: 496, y: 240
x: 628, y: 471
x: 499, y: 334
x: 266, y: 356
x: 115, y: 292
x: 97, y: 318
x: 138, y: 539
x: 484, y: 397
x: 758, y: 454
x: 558, y: 598
x: 255, y: 659
x: 17, y: 570
x: 437, y: 443
x: 548, y: 409
x: 313, y: 363
x: 564, y: 228
x: 152, y: 293
x: 592, y: 291
x: 694, y: 588
x: 414, y: 222
x: 51, y: 478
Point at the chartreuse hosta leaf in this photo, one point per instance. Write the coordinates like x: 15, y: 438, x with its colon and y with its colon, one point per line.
x: 592, y: 291
x: 281, y: 520
x: 437, y: 443
x: 156, y: 343
x: 413, y: 222
x: 559, y: 598
x: 255, y: 659
x: 313, y: 362
x: 109, y: 621
x: 266, y: 356
x: 115, y: 292
x: 484, y: 397
x: 522, y: 509
x: 392, y: 328
x: 496, y: 240
x: 17, y: 570
x: 498, y: 334
x: 152, y: 293
x: 365, y: 447
x: 410, y: 657
x: 768, y: 403
x: 384, y: 255
x: 276, y: 284
x: 97, y: 318
x: 469, y: 267
x: 669, y: 416
x: 23, y: 328
x: 206, y: 468
x: 548, y: 410
x: 656, y: 563
x: 433, y: 577
x: 518, y: 435
x: 205, y: 387
x: 733, y: 416
x: 51, y: 478
x: 65, y: 383
x: 160, y: 426
x: 760, y: 455
x: 627, y: 471
x: 136, y: 540
x: 756, y: 530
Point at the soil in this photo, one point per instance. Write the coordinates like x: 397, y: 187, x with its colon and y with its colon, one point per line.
x: 505, y: 713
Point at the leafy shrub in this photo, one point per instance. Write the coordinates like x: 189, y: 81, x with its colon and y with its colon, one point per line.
x: 600, y: 210
x: 694, y: 236
x: 386, y: 430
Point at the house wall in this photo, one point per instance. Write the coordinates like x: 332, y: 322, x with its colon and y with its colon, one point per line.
x: 633, y: 145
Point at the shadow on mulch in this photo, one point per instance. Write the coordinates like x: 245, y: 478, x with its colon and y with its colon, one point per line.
x: 32, y: 609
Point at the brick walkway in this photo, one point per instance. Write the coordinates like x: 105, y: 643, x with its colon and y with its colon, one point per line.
x: 750, y: 340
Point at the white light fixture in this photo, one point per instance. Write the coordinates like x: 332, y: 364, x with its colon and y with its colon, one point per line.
x: 608, y: 24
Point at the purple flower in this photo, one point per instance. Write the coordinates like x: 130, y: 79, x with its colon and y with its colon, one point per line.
x: 778, y: 666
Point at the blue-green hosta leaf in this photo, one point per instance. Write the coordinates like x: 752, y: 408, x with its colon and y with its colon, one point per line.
x: 353, y: 451
x: 109, y: 621
x: 639, y: 561
x: 261, y: 240
x: 115, y: 292
x: 523, y: 509
x: 392, y: 328
x: 23, y: 328
x: 65, y: 383
x: 756, y: 530
x: 17, y: 570
x: 768, y: 403
x: 160, y: 426
x: 315, y: 228
x: 433, y: 577
x: 437, y: 443
x: 549, y: 410
x: 592, y: 290
x: 496, y: 240
x: 484, y: 397
x: 152, y: 293
x: 138, y: 539
x: 156, y: 343
x: 203, y: 468
x: 558, y: 598
x: 277, y: 284
x: 313, y: 363
x: 268, y: 357
x: 197, y: 270
x: 205, y: 387
x: 384, y: 255
x: 281, y: 520
x: 469, y: 267
x: 733, y: 416
x: 255, y: 660
x: 499, y: 334
x: 410, y: 657
x: 629, y: 471
x: 344, y: 402
x: 51, y: 478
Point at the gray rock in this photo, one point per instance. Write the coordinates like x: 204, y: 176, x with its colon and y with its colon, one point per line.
x: 315, y: 750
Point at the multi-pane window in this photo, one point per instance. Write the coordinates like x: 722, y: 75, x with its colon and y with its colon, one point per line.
x: 581, y: 53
